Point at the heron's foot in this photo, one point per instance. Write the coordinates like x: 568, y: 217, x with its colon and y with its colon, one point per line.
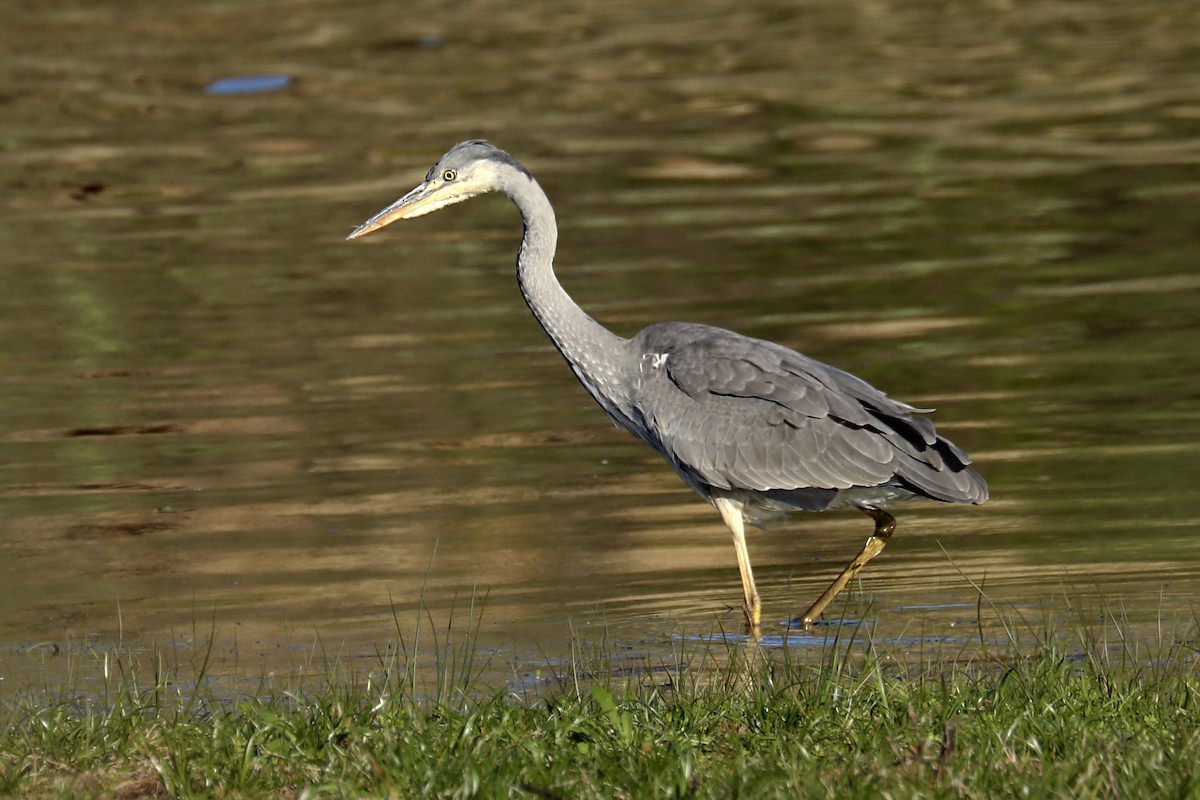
x: 731, y: 512
x: 753, y: 610
x: 885, y: 525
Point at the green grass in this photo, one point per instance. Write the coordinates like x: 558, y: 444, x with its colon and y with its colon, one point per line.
x: 1074, y: 716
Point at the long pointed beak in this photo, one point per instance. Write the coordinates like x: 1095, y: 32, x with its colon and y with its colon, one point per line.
x: 413, y: 204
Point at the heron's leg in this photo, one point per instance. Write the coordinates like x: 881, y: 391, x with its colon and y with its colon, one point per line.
x: 885, y: 525
x: 731, y: 512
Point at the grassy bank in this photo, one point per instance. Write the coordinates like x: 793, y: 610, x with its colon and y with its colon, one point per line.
x: 1076, y: 720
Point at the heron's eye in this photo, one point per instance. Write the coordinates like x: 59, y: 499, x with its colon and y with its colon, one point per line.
x: 449, y: 175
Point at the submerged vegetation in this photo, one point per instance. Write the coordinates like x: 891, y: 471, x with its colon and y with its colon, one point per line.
x: 1082, y: 715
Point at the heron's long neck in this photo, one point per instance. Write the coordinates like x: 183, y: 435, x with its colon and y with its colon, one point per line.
x: 593, y: 351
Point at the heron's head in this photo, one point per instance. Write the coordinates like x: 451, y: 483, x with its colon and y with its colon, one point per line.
x: 466, y: 170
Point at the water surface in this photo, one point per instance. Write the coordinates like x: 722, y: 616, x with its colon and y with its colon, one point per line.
x: 221, y: 420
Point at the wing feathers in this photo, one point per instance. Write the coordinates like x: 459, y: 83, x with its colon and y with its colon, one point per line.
x: 741, y: 413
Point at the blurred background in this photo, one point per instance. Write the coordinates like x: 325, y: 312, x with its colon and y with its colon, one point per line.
x: 219, y: 420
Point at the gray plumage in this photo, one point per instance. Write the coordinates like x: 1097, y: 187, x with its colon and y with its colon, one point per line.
x: 732, y: 413
x: 752, y: 426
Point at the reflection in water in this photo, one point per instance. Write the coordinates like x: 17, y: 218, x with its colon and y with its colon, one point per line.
x: 215, y: 413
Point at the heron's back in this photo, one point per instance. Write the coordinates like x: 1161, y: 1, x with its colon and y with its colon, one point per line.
x: 753, y: 419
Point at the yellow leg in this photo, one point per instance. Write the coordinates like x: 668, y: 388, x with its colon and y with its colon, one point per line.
x: 731, y: 512
x: 885, y: 525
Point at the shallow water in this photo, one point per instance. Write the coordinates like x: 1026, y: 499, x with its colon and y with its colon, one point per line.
x: 221, y: 420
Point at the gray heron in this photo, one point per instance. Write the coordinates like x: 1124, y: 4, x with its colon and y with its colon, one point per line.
x: 753, y: 427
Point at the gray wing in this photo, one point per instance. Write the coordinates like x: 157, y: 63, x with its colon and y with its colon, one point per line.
x: 734, y: 412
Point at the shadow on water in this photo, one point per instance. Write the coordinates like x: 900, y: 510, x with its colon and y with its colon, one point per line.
x: 218, y: 416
